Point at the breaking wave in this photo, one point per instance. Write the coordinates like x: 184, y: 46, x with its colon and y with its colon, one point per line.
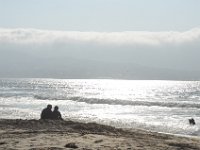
x: 123, y: 102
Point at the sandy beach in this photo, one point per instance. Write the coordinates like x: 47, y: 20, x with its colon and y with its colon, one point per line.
x: 57, y: 135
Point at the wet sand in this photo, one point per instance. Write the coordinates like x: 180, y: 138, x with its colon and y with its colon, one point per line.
x: 58, y: 135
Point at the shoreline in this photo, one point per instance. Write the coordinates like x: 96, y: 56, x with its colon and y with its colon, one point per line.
x: 51, y: 134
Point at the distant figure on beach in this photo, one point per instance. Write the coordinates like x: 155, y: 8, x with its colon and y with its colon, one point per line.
x: 47, y: 112
x: 191, y: 121
x: 56, y: 114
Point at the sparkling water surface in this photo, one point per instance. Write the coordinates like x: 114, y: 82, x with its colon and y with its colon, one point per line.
x: 163, y: 106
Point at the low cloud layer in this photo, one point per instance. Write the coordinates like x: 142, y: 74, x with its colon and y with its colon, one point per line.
x: 130, y: 38
x: 74, y: 54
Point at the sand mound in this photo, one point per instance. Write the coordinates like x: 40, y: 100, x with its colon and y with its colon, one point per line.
x: 57, y: 135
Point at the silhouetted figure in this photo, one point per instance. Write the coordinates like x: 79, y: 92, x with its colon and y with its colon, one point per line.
x: 191, y: 121
x: 47, y: 112
x: 56, y: 114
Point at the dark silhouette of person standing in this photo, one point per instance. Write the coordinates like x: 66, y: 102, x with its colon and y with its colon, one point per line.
x: 56, y: 114
x: 47, y: 112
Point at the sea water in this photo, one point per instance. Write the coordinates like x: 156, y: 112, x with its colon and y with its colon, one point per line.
x: 162, y: 106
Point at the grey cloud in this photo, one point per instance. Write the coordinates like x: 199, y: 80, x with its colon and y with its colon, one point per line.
x: 74, y: 54
x: 130, y: 38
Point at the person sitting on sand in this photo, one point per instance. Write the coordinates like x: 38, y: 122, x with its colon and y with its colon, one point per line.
x: 56, y: 114
x: 47, y: 112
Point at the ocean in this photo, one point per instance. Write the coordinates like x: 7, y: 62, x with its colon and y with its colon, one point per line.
x: 155, y: 105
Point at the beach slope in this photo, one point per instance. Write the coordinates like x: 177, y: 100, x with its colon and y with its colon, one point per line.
x: 58, y: 135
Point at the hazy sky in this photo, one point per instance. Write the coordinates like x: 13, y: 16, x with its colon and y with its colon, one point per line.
x: 152, y: 39
x: 101, y: 15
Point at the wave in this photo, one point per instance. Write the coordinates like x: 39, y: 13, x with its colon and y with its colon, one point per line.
x: 123, y: 102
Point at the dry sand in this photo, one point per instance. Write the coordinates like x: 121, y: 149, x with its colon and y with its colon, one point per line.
x: 58, y: 135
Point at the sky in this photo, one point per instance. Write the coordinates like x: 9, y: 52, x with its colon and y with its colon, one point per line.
x: 101, y: 15
x: 128, y: 39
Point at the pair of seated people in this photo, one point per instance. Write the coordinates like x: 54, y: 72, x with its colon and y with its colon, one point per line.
x: 47, y: 113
